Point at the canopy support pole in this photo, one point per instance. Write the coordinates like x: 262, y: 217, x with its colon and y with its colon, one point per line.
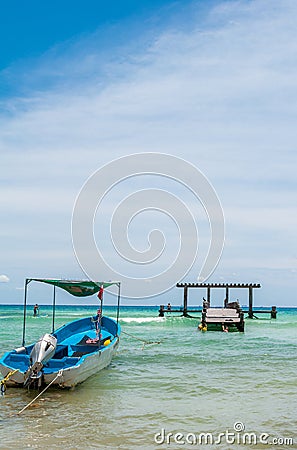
x: 118, y: 307
x: 27, y: 281
x: 100, y: 319
x: 54, y: 309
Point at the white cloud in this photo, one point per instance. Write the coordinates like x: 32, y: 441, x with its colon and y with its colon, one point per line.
x: 4, y: 279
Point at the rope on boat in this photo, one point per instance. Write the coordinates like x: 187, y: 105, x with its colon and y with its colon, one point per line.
x: 34, y: 399
x: 145, y: 342
x: 3, y: 382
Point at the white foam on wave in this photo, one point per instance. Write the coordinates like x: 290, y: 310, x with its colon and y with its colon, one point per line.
x: 142, y: 319
x: 7, y: 317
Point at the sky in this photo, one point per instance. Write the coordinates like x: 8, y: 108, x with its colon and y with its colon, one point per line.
x: 212, y: 83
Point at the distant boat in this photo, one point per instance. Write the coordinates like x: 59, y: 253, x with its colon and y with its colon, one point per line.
x: 72, y: 353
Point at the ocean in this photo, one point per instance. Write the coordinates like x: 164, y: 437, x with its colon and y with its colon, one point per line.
x: 188, y: 389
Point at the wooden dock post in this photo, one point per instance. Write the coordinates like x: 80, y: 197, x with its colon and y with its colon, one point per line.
x: 185, y: 310
x: 208, y: 295
x: 251, y: 314
x: 273, y: 312
x: 241, y: 323
x: 161, y: 311
x: 226, y: 301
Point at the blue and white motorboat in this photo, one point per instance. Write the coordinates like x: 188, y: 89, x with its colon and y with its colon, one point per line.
x: 72, y: 353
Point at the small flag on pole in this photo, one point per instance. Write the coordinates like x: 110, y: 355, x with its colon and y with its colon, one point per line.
x: 100, y: 293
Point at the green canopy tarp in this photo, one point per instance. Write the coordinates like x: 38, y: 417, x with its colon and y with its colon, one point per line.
x: 78, y: 288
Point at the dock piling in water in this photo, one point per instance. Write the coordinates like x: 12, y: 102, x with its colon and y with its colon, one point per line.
x: 273, y: 312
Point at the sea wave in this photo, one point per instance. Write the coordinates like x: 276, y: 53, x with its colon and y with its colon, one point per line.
x: 142, y: 319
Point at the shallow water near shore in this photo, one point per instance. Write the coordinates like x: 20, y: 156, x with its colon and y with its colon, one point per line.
x: 189, y: 383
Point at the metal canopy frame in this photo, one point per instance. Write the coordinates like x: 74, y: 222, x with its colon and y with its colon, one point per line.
x: 28, y: 280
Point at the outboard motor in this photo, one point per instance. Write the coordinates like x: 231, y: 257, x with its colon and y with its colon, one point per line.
x: 41, y: 353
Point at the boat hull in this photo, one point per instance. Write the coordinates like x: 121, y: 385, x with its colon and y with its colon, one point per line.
x: 70, y: 368
x: 71, y: 376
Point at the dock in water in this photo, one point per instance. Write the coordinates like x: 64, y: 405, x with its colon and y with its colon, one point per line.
x: 231, y: 315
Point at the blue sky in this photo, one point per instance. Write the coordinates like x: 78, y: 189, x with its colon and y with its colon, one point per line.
x: 31, y: 28
x: 213, y: 83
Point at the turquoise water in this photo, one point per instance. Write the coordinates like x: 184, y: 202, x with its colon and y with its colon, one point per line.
x: 189, y: 383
